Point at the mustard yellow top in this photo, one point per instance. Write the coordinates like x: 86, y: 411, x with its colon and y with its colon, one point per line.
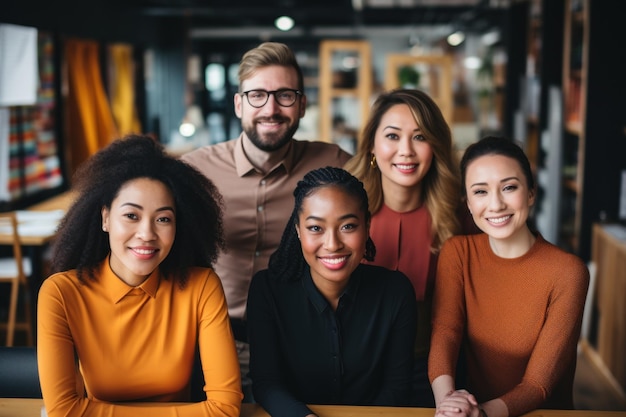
x: 135, y: 344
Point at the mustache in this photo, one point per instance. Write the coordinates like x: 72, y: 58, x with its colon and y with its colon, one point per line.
x: 271, y: 119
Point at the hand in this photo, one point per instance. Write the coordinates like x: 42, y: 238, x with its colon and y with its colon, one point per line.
x: 459, y: 403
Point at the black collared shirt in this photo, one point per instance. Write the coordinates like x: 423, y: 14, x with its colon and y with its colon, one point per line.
x: 302, y: 352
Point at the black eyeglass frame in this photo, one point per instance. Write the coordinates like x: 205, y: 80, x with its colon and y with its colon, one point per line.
x: 298, y: 93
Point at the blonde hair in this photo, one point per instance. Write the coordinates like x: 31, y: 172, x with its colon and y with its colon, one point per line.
x: 441, y: 186
x: 265, y: 55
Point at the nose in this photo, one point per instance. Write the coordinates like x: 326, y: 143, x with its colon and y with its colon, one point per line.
x: 405, y: 147
x: 145, y: 230
x: 496, y: 202
x: 272, y: 105
x: 332, y: 241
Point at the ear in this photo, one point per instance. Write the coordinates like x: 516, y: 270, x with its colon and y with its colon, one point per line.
x: 297, y: 227
x: 105, y: 218
x: 531, y: 198
x: 302, y: 106
x: 238, y: 100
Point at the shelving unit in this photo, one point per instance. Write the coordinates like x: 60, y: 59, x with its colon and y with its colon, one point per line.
x: 435, y: 72
x: 533, y: 81
x: 594, y: 141
x: 576, y: 42
x: 344, y: 90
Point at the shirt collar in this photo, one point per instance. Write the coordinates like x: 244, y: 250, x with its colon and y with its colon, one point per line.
x: 244, y: 167
x: 118, y: 289
x: 316, y: 297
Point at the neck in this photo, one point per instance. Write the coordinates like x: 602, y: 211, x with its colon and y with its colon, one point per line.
x: 401, y: 199
x: 262, y: 160
x: 515, y: 246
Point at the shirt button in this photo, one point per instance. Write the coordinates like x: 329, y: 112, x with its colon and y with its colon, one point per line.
x: 260, y: 208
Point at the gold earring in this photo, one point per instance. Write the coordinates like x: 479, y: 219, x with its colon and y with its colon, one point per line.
x: 373, y: 161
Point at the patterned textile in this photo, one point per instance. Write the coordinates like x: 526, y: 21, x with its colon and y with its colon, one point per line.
x: 33, y: 153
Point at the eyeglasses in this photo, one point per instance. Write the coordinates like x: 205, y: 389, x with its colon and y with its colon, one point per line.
x: 285, y: 97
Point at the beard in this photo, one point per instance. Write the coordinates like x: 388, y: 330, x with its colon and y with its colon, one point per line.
x: 271, y: 142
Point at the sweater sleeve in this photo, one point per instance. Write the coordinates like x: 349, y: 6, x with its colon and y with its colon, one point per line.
x: 554, y: 354
x: 449, y: 314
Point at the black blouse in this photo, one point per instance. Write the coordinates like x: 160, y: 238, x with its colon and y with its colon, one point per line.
x: 302, y: 352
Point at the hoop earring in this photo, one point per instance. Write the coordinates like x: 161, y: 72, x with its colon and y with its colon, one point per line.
x: 373, y: 162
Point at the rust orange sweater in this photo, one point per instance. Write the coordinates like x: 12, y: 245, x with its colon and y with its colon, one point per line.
x: 519, y: 319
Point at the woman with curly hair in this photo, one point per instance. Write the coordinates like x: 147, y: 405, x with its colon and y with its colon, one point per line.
x: 407, y: 164
x: 323, y: 327
x: 132, y: 292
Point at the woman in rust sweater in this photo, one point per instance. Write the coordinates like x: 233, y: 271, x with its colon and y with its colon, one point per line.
x: 512, y: 299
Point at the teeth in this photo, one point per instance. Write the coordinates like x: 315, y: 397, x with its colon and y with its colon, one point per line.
x: 499, y: 219
x: 144, y: 251
x: 405, y: 166
x: 334, y: 261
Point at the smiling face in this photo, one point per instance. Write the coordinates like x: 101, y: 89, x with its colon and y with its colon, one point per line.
x: 498, y: 196
x: 402, y: 153
x: 333, y: 230
x: 270, y: 127
x: 142, y: 226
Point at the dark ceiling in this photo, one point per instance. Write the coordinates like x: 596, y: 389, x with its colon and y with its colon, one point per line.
x: 476, y: 15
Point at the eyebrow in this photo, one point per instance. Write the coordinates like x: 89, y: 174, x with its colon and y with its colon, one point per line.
x: 501, y: 181
x: 397, y: 128
x: 137, y: 206
x: 344, y: 217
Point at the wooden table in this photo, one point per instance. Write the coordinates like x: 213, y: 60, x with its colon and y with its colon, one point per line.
x: 17, y: 407
x: 46, y: 214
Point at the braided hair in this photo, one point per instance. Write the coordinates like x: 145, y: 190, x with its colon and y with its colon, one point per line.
x: 287, y: 262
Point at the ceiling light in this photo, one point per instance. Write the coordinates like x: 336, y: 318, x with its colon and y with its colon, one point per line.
x: 456, y: 38
x: 472, y: 62
x: 187, y: 129
x: 284, y: 23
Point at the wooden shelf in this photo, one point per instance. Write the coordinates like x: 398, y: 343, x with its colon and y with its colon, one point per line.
x: 437, y: 73
x: 330, y: 93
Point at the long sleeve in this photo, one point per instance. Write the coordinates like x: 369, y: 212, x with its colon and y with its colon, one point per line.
x: 266, y: 361
x: 448, y: 314
x: 553, y: 357
x: 398, y: 362
x: 137, y: 349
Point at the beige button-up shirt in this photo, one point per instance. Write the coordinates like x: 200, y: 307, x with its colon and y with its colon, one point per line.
x: 256, y: 206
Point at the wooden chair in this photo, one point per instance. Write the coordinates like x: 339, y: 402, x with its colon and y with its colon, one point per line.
x: 15, y: 270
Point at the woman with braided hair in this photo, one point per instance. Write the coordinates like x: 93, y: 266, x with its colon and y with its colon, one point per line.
x: 323, y: 327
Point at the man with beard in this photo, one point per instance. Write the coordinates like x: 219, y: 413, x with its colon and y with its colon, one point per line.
x: 258, y: 171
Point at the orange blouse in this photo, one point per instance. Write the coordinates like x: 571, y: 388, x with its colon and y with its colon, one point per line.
x: 135, y: 344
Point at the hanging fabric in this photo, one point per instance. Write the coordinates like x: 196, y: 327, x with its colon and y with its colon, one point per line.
x: 122, y: 89
x: 90, y: 121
